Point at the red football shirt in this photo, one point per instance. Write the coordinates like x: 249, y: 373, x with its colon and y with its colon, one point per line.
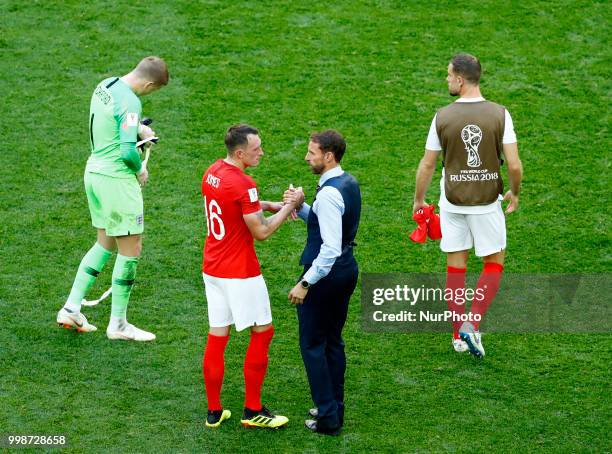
x: 229, y: 194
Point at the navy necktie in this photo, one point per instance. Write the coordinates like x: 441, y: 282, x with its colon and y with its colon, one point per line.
x: 316, y: 192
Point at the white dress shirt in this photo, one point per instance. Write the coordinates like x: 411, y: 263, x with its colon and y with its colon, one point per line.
x: 329, y: 208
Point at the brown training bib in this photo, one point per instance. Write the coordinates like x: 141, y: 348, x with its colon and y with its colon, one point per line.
x: 471, y: 136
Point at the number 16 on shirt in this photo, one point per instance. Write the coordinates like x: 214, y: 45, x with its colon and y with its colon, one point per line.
x: 214, y: 223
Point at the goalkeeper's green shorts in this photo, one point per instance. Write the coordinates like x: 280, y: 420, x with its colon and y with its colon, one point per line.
x: 115, y: 204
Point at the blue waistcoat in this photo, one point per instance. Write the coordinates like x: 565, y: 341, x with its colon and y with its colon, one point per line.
x: 348, y: 187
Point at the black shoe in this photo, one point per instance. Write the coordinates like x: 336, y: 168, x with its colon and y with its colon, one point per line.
x: 313, y: 426
x: 216, y: 417
x: 314, y: 413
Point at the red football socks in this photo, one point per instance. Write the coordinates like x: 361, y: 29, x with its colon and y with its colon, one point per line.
x: 455, y: 281
x: 488, y: 285
x: 213, y: 367
x: 255, y: 366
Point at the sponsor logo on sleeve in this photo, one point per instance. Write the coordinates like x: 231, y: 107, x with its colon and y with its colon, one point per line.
x: 132, y: 119
x: 253, y: 194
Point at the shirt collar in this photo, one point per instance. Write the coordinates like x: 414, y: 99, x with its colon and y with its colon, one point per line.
x: 331, y: 173
x: 121, y: 81
x: 479, y: 99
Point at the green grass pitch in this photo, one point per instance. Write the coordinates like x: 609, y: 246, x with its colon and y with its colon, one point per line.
x: 375, y: 71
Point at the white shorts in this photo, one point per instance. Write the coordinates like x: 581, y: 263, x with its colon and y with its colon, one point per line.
x: 485, y: 232
x: 240, y: 302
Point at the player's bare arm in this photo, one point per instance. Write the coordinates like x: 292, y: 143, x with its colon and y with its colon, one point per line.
x: 425, y: 172
x: 271, y: 207
x: 515, y: 175
x: 262, y: 227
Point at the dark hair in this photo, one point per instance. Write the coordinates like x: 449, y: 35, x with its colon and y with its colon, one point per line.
x: 330, y: 140
x: 237, y: 136
x: 467, y: 66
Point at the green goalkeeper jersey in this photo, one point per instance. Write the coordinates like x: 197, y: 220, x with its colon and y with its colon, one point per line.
x: 114, y: 116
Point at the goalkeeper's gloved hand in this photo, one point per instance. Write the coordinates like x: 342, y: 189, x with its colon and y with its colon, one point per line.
x: 144, y: 132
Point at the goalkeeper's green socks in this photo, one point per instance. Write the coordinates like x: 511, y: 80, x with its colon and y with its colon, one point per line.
x: 90, y: 267
x: 124, y: 274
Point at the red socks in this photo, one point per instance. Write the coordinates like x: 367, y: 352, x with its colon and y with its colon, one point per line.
x: 255, y: 366
x: 488, y: 284
x: 455, y: 280
x: 213, y: 367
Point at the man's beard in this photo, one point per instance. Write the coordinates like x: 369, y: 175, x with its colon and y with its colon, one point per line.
x: 317, y: 170
x: 453, y: 93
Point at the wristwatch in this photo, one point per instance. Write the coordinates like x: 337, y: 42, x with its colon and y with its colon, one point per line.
x: 305, y: 284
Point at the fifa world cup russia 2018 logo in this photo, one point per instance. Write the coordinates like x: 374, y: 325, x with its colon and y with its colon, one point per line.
x: 471, y: 136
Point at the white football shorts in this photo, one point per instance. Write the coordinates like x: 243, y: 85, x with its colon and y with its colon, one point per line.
x: 486, y: 233
x: 240, y: 302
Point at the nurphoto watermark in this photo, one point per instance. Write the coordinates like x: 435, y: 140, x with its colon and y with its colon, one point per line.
x: 421, y: 302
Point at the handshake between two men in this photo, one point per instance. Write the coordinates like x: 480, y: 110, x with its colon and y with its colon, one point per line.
x: 294, y: 198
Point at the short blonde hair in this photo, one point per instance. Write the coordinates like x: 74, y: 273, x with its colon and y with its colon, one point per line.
x: 153, y: 69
